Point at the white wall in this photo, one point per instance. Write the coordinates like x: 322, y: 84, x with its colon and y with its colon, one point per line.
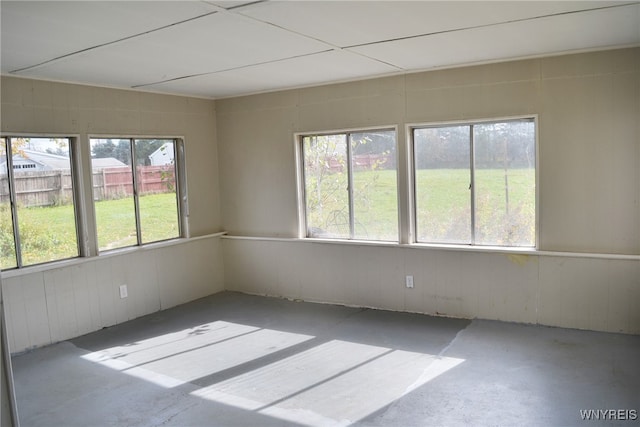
x: 55, y: 303
x: 46, y: 304
x: 589, y: 166
x: 588, y: 107
x: 7, y: 395
x: 34, y: 107
x: 595, y: 293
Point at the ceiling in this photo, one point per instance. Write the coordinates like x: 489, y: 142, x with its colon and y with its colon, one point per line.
x: 218, y: 49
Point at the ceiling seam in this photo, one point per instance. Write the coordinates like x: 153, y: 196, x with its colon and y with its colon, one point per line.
x: 333, y: 46
x: 213, y: 3
x: 49, y: 61
x: 487, y: 25
x: 229, y: 69
x: 251, y: 18
x: 328, y: 46
x: 397, y: 67
x: 246, y: 4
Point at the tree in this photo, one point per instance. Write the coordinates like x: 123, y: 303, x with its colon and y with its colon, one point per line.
x: 61, y: 149
x: 122, y: 151
x: 442, y: 148
x: 101, y: 150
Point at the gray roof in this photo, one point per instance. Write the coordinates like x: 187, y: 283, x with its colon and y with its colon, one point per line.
x: 107, y: 162
x: 57, y: 162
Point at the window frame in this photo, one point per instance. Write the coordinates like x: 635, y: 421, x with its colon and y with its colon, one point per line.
x: 181, y: 190
x: 301, y: 183
x: 82, y: 194
x: 76, y: 194
x: 412, y: 188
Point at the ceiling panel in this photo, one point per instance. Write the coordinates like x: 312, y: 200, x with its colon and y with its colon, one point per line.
x: 221, y: 41
x: 230, y: 4
x: 303, y: 71
x: 606, y: 27
x: 350, y: 23
x: 223, y: 48
x: 38, y: 31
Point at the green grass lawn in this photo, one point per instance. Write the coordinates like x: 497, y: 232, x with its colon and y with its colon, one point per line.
x: 442, y: 213
x: 117, y: 223
x: 375, y: 206
x: 505, y: 209
x: 48, y: 233
x: 443, y: 206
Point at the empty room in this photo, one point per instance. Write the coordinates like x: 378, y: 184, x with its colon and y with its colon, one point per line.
x: 320, y: 213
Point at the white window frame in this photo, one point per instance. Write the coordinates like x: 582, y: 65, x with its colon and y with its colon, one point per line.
x: 411, y: 181
x: 181, y: 190
x: 84, y: 211
x: 300, y: 180
x: 76, y: 179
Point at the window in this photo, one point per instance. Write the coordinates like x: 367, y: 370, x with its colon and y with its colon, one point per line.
x: 350, y: 185
x: 134, y: 208
x: 476, y: 183
x: 37, y: 209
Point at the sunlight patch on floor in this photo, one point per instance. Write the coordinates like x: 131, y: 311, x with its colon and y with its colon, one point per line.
x: 333, y: 383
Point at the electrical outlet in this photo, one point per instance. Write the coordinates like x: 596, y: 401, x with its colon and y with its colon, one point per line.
x: 409, y: 281
x: 123, y: 291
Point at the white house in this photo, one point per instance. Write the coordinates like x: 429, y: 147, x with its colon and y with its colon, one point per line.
x: 163, y: 155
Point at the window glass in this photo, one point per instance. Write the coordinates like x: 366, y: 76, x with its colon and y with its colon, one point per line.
x: 42, y: 184
x: 375, y: 194
x: 113, y: 193
x: 134, y: 210
x: 505, y: 183
x: 475, y: 183
x: 442, y: 181
x: 38, y: 217
x: 156, y: 181
x: 351, y: 185
x: 326, y: 186
x: 7, y: 240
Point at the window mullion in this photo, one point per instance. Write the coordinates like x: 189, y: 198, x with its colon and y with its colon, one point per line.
x: 472, y: 185
x: 83, y: 197
x: 75, y: 197
x: 181, y: 188
x: 350, y: 188
x: 136, y: 203
x: 12, y: 201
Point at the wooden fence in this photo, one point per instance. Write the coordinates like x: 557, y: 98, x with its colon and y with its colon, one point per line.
x: 48, y: 188
x: 116, y: 183
x: 38, y: 188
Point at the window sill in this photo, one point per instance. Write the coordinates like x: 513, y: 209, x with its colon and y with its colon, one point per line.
x: 442, y: 247
x: 53, y: 265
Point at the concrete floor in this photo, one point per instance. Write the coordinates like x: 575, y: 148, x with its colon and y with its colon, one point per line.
x: 239, y: 360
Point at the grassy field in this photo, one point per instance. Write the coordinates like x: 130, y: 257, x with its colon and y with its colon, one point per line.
x: 117, y: 223
x: 442, y: 212
x: 443, y: 206
x: 48, y: 233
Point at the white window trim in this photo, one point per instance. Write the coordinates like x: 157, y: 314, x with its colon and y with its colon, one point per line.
x: 411, y: 190
x: 300, y: 177
x: 181, y: 189
x: 405, y: 177
x: 77, y: 191
x: 86, y: 230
